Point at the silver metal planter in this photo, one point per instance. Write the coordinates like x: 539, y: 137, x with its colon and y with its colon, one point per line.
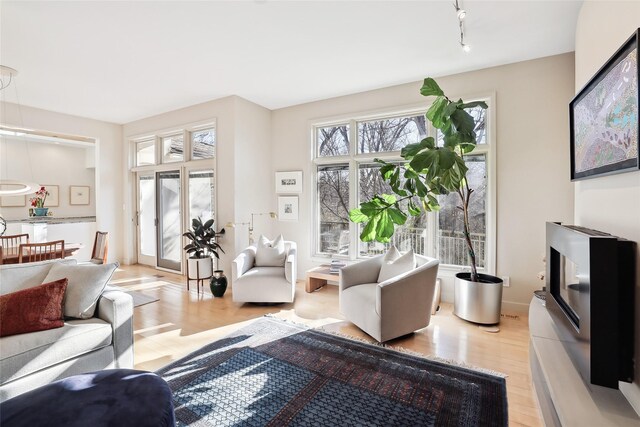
x: 478, y: 302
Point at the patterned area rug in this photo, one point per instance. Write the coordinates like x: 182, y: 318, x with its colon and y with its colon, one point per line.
x: 274, y: 373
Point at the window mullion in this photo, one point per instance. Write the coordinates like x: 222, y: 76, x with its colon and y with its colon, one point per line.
x: 353, y: 188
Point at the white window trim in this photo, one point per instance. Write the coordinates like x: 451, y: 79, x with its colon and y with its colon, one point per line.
x: 185, y: 166
x: 353, y: 160
x: 185, y: 130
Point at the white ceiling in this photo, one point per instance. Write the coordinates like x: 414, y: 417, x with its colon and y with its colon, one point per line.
x: 119, y: 61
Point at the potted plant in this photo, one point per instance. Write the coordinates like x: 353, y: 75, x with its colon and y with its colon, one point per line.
x: 37, y: 202
x: 203, y: 243
x: 429, y: 170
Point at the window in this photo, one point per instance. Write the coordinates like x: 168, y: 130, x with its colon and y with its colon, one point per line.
x: 333, y: 201
x: 196, y: 142
x: 173, y: 148
x: 333, y: 141
x: 146, y: 152
x: 392, y: 134
x: 175, y: 182
x: 203, y: 144
x: 346, y: 174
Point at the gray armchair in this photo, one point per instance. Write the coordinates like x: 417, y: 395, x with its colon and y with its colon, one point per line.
x: 390, y: 309
x: 263, y: 284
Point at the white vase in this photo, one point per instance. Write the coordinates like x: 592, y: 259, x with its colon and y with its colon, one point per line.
x: 200, y: 268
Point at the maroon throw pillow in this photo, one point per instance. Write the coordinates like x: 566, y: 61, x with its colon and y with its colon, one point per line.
x: 33, y: 309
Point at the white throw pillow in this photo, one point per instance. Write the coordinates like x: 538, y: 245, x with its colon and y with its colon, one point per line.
x: 392, y: 254
x: 86, y: 284
x: 270, y: 253
x: 401, y: 265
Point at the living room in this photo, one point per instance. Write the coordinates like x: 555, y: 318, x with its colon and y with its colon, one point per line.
x: 528, y: 160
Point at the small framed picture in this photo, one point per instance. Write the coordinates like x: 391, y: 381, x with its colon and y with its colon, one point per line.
x: 12, y: 201
x: 289, y: 182
x: 53, y: 199
x: 288, y: 208
x: 79, y: 194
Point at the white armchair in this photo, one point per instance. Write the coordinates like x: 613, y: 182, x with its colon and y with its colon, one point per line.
x: 264, y: 284
x: 390, y: 309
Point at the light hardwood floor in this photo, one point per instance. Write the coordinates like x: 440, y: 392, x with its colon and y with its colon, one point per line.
x: 183, y: 321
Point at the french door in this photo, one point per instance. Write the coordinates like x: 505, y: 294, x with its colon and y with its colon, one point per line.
x: 146, y: 218
x: 161, y: 220
x: 169, y: 222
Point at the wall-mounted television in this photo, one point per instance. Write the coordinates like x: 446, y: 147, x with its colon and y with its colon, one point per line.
x: 590, y: 282
x: 603, y: 117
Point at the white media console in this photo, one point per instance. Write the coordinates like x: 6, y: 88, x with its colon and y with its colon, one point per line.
x: 564, y: 398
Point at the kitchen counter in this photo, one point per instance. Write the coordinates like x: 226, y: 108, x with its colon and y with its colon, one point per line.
x: 52, y: 220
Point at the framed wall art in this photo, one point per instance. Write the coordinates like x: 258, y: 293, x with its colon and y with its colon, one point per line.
x: 79, y: 195
x: 289, y: 182
x: 53, y: 199
x: 13, y: 201
x: 288, y: 208
x: 604, y: 118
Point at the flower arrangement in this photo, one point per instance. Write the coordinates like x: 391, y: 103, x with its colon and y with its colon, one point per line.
x: 40, y: 198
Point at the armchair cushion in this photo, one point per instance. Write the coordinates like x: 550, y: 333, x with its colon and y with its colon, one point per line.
x: 270, y: 253
x: 401, y: 265
x: 86, y: 284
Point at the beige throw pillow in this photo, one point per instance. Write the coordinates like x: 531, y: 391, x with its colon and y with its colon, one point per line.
x: 86, y: 284
x: 398, y: 266
x: 270, y: 253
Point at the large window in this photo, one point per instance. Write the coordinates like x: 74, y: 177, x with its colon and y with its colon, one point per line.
x: 346, y: 174
x: 175, y: 182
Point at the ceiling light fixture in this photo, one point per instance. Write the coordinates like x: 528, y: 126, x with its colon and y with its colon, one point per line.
x: 461, y: 14
x: 6, y: 76
x: 12, y: 187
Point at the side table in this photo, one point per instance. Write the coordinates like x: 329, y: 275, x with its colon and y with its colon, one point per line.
x: 318, y: 277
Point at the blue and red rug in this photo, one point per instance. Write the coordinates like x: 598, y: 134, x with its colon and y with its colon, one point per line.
x: 274, y: 373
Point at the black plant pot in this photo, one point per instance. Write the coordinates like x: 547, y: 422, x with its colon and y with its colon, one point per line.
x: 218, y: 283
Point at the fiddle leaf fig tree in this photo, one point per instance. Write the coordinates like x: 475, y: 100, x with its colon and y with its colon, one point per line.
x: 428, y: 170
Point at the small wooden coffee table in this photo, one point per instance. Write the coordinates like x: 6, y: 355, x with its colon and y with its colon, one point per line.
x: 318, y: 277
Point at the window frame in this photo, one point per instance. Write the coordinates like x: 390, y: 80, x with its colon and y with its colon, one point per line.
x: 354, y: 160
x: 185, y: 166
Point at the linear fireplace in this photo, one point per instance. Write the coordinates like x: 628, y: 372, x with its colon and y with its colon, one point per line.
x: 590, y: 296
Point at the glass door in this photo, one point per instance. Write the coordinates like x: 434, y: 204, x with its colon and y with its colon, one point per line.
x: 169, y: 224
x: 146, y: 218
x: 201, y: 197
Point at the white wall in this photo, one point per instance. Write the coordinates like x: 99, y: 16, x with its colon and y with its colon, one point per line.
x: 253, y: 178
x: 242, y: 164
x: 612, y: 203
x: 109, y: 167
x: 532, y: 155
x: 47, y: 164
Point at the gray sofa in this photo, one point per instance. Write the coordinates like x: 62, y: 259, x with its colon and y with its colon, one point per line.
x: 30, y: 360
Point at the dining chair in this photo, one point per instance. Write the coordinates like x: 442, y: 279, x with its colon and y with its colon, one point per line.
x: 100, y: 248
x: 13, y: 241
x: 10, y: 244
x: 32, y: 252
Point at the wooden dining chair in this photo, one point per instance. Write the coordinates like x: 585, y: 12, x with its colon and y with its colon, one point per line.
x: 10, y: 244
x: 13, y: 241
x: 100, y: 248
x: 32, y: 252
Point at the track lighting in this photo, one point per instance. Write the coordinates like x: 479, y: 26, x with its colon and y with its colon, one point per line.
x: 461, y: 14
